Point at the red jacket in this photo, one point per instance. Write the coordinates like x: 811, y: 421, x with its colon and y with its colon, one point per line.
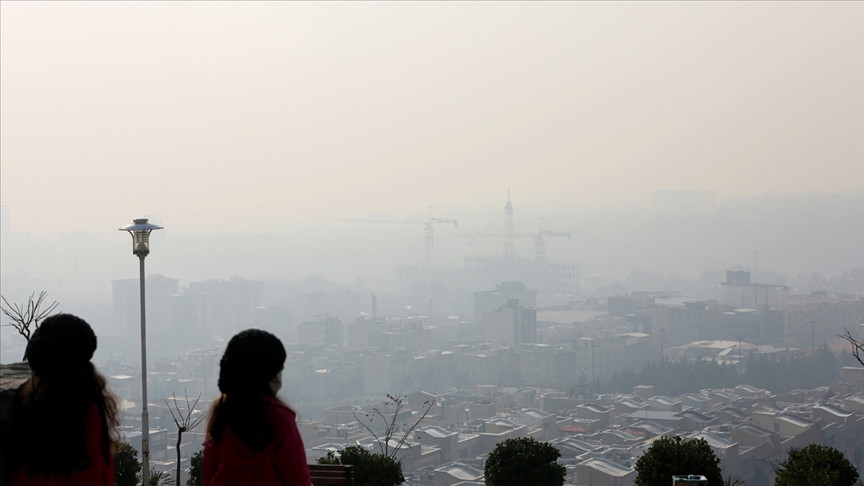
x: 282, y: 463
x: 98, y: 473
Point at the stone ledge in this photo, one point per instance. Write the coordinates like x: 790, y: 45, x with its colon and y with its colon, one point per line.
x: 13, y: 375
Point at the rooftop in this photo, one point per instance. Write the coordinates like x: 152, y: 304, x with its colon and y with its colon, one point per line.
x: 608, y: 467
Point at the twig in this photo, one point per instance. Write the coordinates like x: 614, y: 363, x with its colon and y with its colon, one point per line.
x: 857, y: 346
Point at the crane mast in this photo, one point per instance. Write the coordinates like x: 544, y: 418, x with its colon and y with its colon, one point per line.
x: 508, y: 228
x: 428, y: 232
x: 540, y: 243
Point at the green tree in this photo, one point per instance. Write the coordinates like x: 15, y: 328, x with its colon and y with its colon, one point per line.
x: 127, y: 467
x: 159, y: 478
x: 195, y: 469
x: 369, y: 469
x: 524, y: 460
x: 815, y: 464
x: 672, y: 455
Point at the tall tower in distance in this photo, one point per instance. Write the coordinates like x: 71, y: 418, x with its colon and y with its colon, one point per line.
x: 508, y: 228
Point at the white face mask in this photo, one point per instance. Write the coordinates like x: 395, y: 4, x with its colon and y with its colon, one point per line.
x: 276, y: 383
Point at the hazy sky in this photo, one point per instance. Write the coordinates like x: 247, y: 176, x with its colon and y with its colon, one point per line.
x: 240, y: 114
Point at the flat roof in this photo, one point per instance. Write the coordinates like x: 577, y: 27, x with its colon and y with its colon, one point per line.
x: 794, y: 419
x: 696, y: 416
x: 714, y: 440
x: 834, y: 410
x: 461, y: 471
x: 656, y: 415
x: 652, y: 427
x: 438, y: 432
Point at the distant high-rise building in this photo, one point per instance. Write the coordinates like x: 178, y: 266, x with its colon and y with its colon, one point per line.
x: 737, y: 291
x: 126, y: 298
x: 504, y: 293
x: 510, y: 325
x: 226, y: 303
x: 325, y: 330
x: 340, y: 304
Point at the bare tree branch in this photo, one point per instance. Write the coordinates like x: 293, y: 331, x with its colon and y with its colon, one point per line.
x: 391, y: 427
x: 393, y: 406
x: 184, y: 422
x: 376, y: 411
x: 857, y: 346
x: 25, y: 317
x: 428, y: 404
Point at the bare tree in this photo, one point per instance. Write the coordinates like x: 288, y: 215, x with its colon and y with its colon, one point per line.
x: 857, y: 346
x: 393, y: 405
x: 25, y: 318
x: 184, y: 422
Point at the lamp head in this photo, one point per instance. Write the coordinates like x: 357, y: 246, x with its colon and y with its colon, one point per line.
x: 140, y: 231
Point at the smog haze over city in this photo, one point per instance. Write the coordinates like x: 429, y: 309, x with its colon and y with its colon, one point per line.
x: 285, y: 117
x: 407, y: 153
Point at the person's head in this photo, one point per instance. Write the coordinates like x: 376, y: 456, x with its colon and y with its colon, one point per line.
x: 252, y: 364
x: 62, y: 344
x: 249, y: 370
x: 54, y: 403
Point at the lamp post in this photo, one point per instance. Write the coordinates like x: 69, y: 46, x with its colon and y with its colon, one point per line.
x: 140, y: 231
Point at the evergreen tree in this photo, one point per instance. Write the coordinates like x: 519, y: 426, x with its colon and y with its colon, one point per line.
x: 815, y: 464
x: 195, y: 469
x: 127, y: 467
x: 369, y: 469
x: 673, y: 456
x: 524, y: 460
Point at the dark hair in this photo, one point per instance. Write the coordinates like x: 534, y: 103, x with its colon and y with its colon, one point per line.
x: 253, y: 358
x: 50, y: 410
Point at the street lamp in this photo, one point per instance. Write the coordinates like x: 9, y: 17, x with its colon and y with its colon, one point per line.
x: 140, y: 232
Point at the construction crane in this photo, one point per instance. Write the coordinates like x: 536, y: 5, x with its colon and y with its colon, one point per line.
x: 539, y: 240
x: 508, y: 228
x: 509, y: 234
x: 428, y: 232
x: 540, y: 243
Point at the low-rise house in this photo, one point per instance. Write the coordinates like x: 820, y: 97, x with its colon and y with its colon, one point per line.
x: 664, y: 403
x: 541, y: 425
x: 647, y: 429
x: 446, y: 441
x: 730, y: 415
x: 725, y: 449
x: 592, y: 411
x: 854, y: 403
x: 573, y: 450
x: 603, y: 472
x: 557, y: 402
x: 578, y: 427
x: 785, y: 424
x: 626, y: 405
x: 695, y: 420
x: 664, y: 418
x: 618, y: 437
x: 453, y: 473
x: 694, y: 401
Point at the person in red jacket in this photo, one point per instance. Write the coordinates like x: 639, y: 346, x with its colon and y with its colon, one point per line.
x: 252, y: 437
x: 64, y: 420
